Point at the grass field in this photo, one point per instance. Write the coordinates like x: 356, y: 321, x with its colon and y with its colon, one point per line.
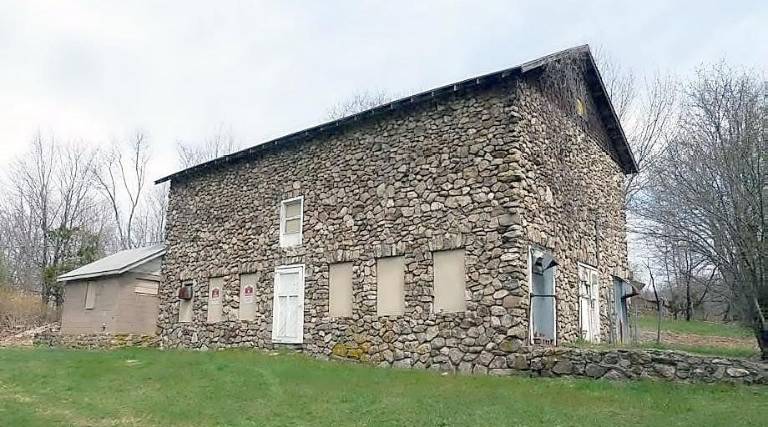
x: 41, y: 387
x: 696, y: 336
x: 696, y: 327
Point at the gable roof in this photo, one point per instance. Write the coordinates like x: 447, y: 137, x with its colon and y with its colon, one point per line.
x: 117, y: 263
x: 595, y: 82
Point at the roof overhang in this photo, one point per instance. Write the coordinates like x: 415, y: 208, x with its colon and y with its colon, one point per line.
x: 68, y: 277
x: 605, y: 108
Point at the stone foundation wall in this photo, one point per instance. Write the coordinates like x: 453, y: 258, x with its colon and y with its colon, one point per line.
x: 634, y: 364
x: 623, y: 364
x: 95, y: 341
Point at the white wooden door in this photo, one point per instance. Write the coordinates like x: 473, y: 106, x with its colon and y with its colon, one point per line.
x: 288, y: 305
x: 589, y: 303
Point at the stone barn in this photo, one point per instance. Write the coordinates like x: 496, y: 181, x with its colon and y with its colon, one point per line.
x: 117, y: 294
x: 436, y: 231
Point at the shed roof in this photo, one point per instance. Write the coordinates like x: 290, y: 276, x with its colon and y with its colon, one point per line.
x: 605, y: 109
x: 117, y: 263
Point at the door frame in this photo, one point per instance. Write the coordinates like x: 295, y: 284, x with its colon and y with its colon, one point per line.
x: 276, y: 307
x: 531, y: 248
x: 598, y: 324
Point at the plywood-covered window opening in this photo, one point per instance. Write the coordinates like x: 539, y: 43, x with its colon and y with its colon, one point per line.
x: 291, y: 220
x: 340, y: 289
x: 390, y: 286
x: 543, y: 314
x: 90, y: 296
x: 247, y: 309
x: 449, y: 281
x: 215, y: 299
x: 146, y: 287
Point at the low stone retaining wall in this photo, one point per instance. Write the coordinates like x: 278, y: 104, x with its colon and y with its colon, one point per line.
x: 634, y: 363
x: 611, y: 364
x: 96, y: 341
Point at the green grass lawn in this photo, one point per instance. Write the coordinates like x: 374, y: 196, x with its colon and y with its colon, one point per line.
x: 696, y: 336
x: 696, y: 327
x: 136, y: 387
x: 742, y: 352
x: 706, y: 350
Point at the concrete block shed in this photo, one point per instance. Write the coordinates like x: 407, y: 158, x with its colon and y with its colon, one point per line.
x: 117, y: 294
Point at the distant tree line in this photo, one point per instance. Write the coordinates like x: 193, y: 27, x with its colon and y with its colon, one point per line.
x: 65, y: 204
x: 699, y: 206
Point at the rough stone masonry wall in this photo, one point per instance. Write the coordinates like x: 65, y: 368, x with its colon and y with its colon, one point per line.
x: 571, y: 200
x: 630, y: 364
x: 434, y: 177
x: 94, y: 341
x: 443, y: 175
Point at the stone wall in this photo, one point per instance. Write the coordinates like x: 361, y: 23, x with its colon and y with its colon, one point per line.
x: 621, y: 364
x: 95, y: 341
x: 572, y: 199
x: 467, y: 171
x: 610, y: 364
x: 634, y: 364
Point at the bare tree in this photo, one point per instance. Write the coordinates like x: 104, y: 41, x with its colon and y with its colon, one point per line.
x: 647, y: 113
x: 220, y: 143
x: 619, y: 81
x: 358, y: 103
x: 658, y: 303
x: 155, y: 212
x: 650, y: 126
x: 49, y: 214
x: 121, y: 176
x: 709, y: 187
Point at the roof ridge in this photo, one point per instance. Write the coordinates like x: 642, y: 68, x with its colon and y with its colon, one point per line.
x: 412, y: 99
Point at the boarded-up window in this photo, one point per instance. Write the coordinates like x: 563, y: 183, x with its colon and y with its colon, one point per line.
x: 291, y: 218
x: 215, y: 297
x: 186, y: 306
x: 449, y: 281
x: 390, y: 286
x: 90, y: 296
x: 146, y: 287
x: 340, y: 289
x: 248, y: 296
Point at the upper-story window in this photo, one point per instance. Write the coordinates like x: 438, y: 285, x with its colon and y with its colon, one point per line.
x: 291, y: 218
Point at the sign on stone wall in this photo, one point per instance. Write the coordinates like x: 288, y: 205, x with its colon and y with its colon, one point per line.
x: 215, y: 295
x: 247, y: 309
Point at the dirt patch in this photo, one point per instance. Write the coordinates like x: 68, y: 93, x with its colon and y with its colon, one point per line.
x: 673, y: 338
x: 24, y: 338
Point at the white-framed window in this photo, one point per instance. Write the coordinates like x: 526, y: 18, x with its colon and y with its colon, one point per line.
x: 291, y: 221
x: 90, y: 296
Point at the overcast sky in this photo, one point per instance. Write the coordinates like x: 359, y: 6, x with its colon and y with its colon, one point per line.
x: 98, y: 70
